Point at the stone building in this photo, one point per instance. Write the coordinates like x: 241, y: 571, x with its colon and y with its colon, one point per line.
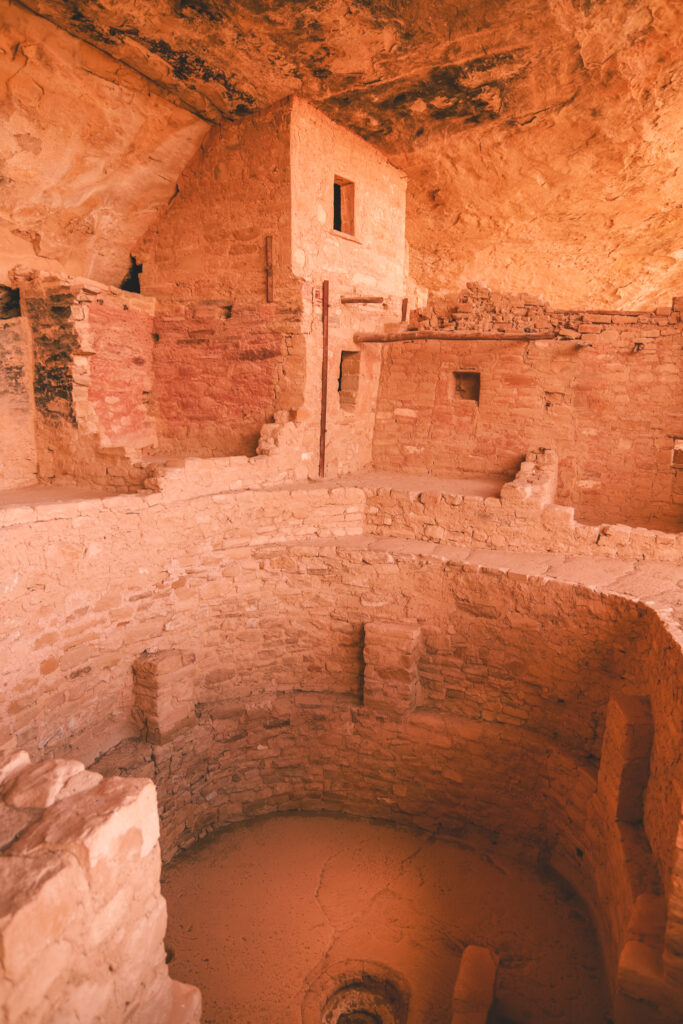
x: 341, y: 490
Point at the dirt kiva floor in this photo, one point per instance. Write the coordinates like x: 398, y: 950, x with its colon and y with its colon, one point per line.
x: 273, y: 920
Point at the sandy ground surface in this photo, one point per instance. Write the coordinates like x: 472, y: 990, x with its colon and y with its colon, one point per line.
x: 257, y: 912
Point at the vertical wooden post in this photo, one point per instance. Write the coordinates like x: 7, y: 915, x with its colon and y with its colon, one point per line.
x: 323, y: 399
x: 269, y: 268
x: 404, y: 310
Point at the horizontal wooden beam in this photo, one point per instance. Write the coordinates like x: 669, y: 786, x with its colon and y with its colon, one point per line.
x: 451, y: 336
x: 348, y: 299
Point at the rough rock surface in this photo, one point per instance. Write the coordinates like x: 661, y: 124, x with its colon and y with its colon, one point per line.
x: 88, y: 151
x: 542, y: 139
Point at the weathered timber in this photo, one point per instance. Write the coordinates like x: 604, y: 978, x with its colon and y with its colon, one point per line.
x: 323, y: 399
x: 269, y: 268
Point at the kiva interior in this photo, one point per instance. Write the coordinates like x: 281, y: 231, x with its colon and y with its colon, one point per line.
x: 341, y: 506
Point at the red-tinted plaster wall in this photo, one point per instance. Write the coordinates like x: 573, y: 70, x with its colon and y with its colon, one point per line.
x: 17, y: 410
x: 92, y: 377
x: 120, y: 374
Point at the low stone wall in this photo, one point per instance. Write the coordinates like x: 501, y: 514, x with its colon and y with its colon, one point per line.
x: 525, y: 517
x: 82, y: 919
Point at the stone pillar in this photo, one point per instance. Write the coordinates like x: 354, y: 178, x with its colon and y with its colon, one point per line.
x: 625, y: 758
x: 391, y: 679
x: 474, y: 989
x: 163, y: 693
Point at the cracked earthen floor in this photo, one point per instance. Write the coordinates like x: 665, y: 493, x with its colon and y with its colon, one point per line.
x: 256, y: 912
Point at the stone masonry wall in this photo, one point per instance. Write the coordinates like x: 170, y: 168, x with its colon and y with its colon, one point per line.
x: 438, y: 513
x: 82, y: 919
x: 432, y: 769
x: 69, y: 684
x: 92, y: 350
x: 491, y: 739
x: 517, y: 662
x: 230, y: 354
x: 117, y: 330
x: 99, y: 604
x: 276, y: 739
x: 218, y: 379
x: 17, y: 410
x: 605, y: 394
x: 226, y: 358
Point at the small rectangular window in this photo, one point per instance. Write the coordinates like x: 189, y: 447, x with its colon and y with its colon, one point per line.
x: 677, y: 453
x: 467, y: 386
x: 343, y: 210
x: 349, y: 379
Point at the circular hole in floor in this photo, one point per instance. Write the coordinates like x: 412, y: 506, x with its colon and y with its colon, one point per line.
x: 370, y: 999
x: 359, y: 1017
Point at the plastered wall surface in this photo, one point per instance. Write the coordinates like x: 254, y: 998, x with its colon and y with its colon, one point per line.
x: 605, y: 393
x: 372, y: 260
x: 370, y: 263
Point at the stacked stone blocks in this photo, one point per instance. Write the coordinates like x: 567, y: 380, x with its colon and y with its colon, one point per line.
x: 82, y: 919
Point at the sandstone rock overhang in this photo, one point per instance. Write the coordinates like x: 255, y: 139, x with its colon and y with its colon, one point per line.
x: 542, y: 140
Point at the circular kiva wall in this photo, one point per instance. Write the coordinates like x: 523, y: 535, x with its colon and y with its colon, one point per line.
x: 407, y: 687
x: 382, y: 678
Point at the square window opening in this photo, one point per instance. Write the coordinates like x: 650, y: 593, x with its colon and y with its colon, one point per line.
x: 343, y: 209
x: 349, y: 379
x: 677, y: 453
x: 467, y: 386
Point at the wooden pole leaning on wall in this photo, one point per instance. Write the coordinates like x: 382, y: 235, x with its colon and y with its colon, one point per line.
x: 452, y: 336
x: 325, y: 355
x: 269, y: 268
